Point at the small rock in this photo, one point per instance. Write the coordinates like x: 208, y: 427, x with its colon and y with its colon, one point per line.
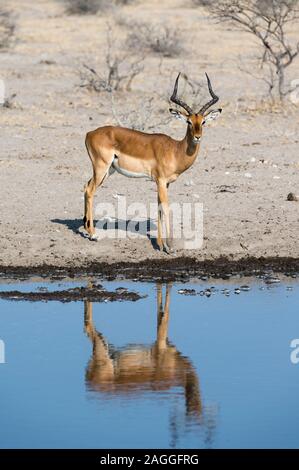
x: 121, y: 290
x: 292, y: 197
x: 225, y: 291
x: 226, y: 276
x: 187, y: 291
x: 237, y: 290
x: 208, y: 293
x: 272, y: 280
x: 245, y: 288
x: 42, y: 289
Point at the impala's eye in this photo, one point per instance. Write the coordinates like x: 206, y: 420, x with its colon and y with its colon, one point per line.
x: 203, y: 122
x: 189, y: 122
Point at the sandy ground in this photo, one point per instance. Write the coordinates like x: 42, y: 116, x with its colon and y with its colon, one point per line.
x: 44, y: 164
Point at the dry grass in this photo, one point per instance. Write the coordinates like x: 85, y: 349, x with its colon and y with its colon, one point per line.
x: 9, y: 102
x: 7, y: 28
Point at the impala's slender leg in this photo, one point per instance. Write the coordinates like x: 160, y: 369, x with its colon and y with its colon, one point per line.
x: 101, y: 161
x: 159, y: 235
x: 99, y: 175
x: 163, y: 316
x: 163, y: 209
x: 100, y: 367
x: 90, y: 188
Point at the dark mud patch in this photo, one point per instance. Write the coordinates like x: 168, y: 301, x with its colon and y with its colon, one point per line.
x: 166, y: 270
x: 93, y: 294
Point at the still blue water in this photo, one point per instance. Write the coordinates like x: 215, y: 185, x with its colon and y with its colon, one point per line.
x: 101, y: 375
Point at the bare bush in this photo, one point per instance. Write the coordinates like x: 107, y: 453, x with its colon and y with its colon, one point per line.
x: 157, y: 38
x: 7, y: 28
x: 202, y: 3
x: 121, y: 68
x: 91, y: 7
x: 124, y: 2
x: 143, y: 113
x: 268, y: 21
x: 119, y: 75
x: 85, y: 7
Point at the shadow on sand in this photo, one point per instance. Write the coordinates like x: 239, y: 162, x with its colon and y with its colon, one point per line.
x: 142, y: 227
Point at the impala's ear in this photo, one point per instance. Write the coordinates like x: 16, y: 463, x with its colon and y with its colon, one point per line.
x: 177, y: 114
x: 212, y: 115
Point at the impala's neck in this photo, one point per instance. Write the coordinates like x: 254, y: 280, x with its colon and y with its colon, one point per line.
x: 188, y: 147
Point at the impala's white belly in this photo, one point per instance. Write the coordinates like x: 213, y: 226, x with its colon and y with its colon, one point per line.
x: 128, y: 173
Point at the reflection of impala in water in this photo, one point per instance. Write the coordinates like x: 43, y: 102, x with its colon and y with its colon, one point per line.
x: 133, y: 369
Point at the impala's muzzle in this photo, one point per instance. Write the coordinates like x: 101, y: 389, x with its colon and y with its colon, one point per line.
x: 196, y: 140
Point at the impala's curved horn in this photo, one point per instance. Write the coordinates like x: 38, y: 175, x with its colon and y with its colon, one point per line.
x: 174, y: 98
x: 214, y: 99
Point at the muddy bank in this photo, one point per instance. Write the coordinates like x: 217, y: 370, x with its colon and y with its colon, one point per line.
x: 93, y: 294
x: 165, y: 270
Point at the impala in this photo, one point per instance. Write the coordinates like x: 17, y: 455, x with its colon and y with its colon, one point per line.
x: 139, y: 155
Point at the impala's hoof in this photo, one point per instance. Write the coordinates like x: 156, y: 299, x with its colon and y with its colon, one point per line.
x: 159, y: 245
x: 168, y: 249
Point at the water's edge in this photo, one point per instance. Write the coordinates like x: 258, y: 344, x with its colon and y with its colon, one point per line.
x: 165, y: 270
